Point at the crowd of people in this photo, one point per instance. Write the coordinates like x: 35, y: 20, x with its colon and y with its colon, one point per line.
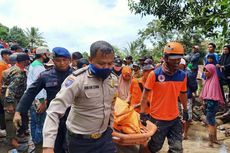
x: 64, y: 102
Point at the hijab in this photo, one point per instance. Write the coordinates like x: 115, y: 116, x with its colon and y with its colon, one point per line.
x: 124, y: 85
x: 211, y: 89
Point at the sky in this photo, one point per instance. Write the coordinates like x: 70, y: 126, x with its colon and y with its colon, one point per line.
x: 75, y: 24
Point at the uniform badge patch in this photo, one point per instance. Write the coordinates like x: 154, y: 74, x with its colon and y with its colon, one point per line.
x: 68, y: 82
x: 112, y: 84
x: 161, y: 78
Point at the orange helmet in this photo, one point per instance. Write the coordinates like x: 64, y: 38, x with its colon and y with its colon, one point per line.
x: 174, y: 50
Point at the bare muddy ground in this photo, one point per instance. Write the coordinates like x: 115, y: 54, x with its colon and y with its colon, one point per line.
x: 198, y: 141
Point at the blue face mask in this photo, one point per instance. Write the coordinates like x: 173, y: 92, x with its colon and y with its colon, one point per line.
x: 102, y: 73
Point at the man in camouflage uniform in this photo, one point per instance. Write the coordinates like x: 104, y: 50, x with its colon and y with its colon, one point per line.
x: 15, y: 87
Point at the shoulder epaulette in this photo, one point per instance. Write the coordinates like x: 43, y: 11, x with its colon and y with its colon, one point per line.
x: 114, y: 74
x: 48, y: 69
x: 80, y: 71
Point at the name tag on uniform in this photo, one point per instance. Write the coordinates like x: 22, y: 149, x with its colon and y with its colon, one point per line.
x: 51, y: 84
x: 91, y: 87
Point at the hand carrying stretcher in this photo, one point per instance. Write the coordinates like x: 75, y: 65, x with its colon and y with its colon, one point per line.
x: 127, y: 125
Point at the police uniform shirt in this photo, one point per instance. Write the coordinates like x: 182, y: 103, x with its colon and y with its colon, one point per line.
x: 50, y: 80
x: 92, y: 104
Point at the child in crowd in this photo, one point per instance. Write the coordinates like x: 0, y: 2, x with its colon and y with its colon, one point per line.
x: 211, y: 59
x: 211, y: 94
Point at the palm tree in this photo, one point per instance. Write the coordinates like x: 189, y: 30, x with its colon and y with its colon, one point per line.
x: 132, y: 50
x: 34, y: 37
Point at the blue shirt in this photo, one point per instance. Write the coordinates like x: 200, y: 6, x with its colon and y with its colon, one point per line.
x: 50, y: 80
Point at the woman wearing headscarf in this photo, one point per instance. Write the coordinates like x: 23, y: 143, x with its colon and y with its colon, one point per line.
x: 124, y: 83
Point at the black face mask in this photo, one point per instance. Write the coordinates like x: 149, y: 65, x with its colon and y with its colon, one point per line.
x: 46, y: 60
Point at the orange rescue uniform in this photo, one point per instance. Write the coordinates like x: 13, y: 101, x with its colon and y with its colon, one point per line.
x: 3, y: 67
x: 165, y: 91
x: 136, y: 93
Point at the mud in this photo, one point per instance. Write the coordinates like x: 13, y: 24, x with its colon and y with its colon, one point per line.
x: 198, y: 141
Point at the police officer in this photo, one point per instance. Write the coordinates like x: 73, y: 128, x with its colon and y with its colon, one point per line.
x: 90, y: 92
x: 51, y: 81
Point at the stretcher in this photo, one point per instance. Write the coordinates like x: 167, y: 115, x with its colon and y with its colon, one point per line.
x: 135, y: 139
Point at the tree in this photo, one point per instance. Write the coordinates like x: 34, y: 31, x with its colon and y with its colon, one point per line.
x: 34, y: 37
x: 158, y: 36
x: 85, y: 55
x: 119, y: 52
x: 4, y: 32
x: 208, y: 17
x: 17, y: 35
x: 132, y: 50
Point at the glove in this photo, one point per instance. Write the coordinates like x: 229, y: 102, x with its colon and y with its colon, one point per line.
x: 185, y: 115
x: 17, y: 120
x: 144, y: 117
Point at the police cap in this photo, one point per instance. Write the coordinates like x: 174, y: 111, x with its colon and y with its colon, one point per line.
x: 61, y: 52
x: 118, y: 62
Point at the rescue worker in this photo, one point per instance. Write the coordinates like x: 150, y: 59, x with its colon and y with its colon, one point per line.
x: 136, y: 70
x: 137, y: 86
x: 51, y: 81
x: 166, y: 84
x: 90, y: 91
